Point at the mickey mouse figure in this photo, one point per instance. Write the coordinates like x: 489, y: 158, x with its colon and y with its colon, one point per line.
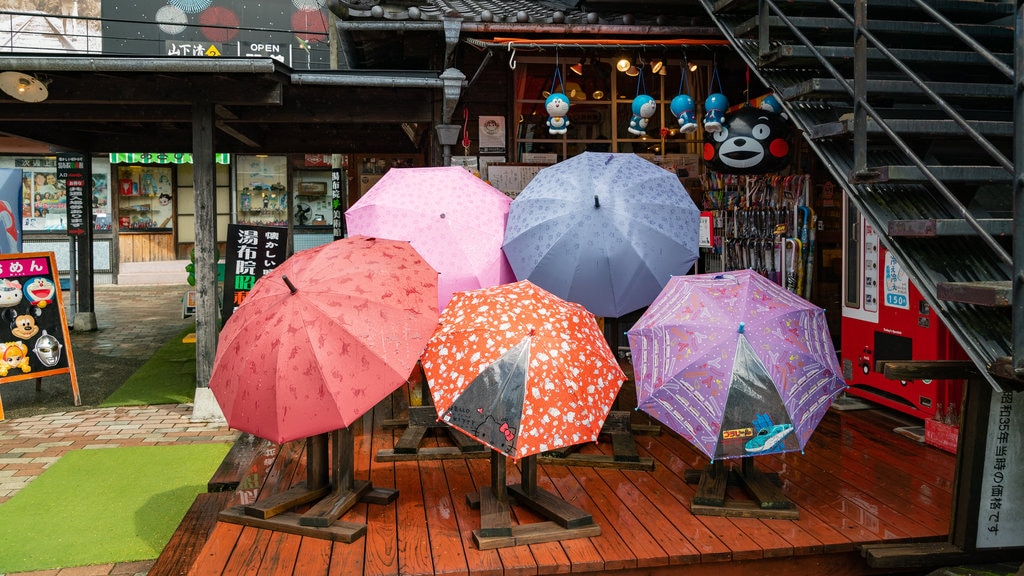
x: 557, y: 106
x: 23, y: 324
x: 644, y: 107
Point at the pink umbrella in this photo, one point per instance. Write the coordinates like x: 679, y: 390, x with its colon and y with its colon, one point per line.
x: 455, y: 220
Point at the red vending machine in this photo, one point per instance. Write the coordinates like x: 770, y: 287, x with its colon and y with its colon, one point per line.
x: 885, y: 318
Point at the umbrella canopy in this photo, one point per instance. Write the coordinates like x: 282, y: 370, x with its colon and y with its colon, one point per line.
x: 451, y: 217
x: 324, y: 337
x: 735, y: 363
x: 604, y: 230
x: 521, y: 370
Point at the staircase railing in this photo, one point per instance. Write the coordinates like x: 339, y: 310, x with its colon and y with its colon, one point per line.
x: 861, y: 173
x: 861, y: 107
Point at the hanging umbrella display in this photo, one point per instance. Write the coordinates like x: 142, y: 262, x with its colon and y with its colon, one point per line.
x: 453, y: 218
x: 523, y: 371
x: 316, y: 344
x: 734, y: 363
x: 605, y: 230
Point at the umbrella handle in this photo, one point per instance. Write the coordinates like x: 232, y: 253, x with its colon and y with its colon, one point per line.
x: 288, y: 283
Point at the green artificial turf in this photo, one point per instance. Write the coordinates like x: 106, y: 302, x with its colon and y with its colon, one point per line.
x: 169, y: 377
x: 104, y: 506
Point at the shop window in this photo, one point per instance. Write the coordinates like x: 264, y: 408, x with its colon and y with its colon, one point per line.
x: 601, y: 107
x: 145, y: 198
x: 261, y: 191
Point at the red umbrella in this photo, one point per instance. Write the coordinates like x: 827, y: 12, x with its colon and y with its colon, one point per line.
x: 324, y: 337
x: 521, y: 370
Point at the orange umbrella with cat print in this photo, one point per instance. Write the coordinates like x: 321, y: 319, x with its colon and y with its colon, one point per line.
x: 521, y: 369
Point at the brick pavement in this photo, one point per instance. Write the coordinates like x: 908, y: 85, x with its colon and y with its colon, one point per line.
x: 132, y: 321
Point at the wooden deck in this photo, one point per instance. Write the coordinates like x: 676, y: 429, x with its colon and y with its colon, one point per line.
x: 858, y: 482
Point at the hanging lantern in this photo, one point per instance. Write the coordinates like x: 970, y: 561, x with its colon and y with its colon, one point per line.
x: 683, y: 108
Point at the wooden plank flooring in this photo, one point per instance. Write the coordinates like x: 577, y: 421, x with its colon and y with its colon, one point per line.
x: 857, y: 482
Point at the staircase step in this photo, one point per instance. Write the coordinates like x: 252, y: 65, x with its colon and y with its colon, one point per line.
x: 991, y: 294
x: 911, y: 126
x: 830, y: 87
x: 972, y: 174
x: 931, y: 228
x: 795, y: 55
x: 152, y: 273
x: 976, y: 11
x: 924, y: 32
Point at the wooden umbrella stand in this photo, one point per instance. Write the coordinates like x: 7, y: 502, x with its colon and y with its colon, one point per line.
x: 768, y: 501
x: 494, y: 502
x: 332, y: 490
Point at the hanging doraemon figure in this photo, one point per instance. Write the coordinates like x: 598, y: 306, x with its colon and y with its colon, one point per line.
x: 644, y: 107
x: 685, y: 111
x: 715, y: 106
x: 557, y: 106
x: 751, y: 141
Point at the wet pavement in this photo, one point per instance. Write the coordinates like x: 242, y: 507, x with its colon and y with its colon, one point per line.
x: 132, y: 322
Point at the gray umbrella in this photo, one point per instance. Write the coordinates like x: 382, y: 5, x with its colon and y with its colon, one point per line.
x: 604, y: 230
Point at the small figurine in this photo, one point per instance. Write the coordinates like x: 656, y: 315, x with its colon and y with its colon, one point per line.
x: 644, y: 107
x: 714, y: 112
x: 557, y: 106
x: 685, y: 110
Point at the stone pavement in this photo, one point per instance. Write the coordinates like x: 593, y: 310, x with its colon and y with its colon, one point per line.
x: 132, y: 321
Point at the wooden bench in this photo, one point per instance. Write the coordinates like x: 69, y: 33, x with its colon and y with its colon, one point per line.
x: 237, y: 463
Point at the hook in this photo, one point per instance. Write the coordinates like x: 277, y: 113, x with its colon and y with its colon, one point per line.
x: 512, y: 58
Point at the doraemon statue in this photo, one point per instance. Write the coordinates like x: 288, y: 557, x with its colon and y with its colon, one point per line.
x: 685, y: 111
x: 644, y: 107
x: 557, y: 106
x: 715, y: 106
x: 751, y: 141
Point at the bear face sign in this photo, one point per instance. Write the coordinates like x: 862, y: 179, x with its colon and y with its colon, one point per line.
x: 751, y: 141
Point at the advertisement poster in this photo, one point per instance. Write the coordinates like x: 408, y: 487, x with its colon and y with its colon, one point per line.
x: 34, y: 333
x: 492, y: 134
x: 10, y: 202
x: 74, y: 171
x: 44, y: 198
x: 252, y: 251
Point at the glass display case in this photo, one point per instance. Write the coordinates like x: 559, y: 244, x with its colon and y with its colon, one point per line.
x: 145, y: 198
x: 262, y: 193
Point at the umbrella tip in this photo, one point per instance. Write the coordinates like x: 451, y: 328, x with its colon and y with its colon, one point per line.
x: 597, y: 202
x: 742, y: 325
x: 288, y: 283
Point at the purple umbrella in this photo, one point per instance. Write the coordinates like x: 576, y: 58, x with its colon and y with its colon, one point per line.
x: 734, y: 363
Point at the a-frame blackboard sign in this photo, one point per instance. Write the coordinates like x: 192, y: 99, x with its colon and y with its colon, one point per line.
x: 33, y: 329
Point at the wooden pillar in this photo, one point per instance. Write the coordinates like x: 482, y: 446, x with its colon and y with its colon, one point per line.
x: 207, y: 317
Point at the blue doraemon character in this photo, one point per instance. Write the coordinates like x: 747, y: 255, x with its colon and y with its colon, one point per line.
x: 685, y: 111
x: 644, y: 107
x: 714, y: 112
x: 557, y: 106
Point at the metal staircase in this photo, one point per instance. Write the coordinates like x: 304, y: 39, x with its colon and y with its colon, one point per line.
x: 911, y: 107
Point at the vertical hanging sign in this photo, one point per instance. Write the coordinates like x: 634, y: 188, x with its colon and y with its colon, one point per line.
x: 74, y: 171
x: 34, y: 332
x: 337, y: 210
x: 252, y: 251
